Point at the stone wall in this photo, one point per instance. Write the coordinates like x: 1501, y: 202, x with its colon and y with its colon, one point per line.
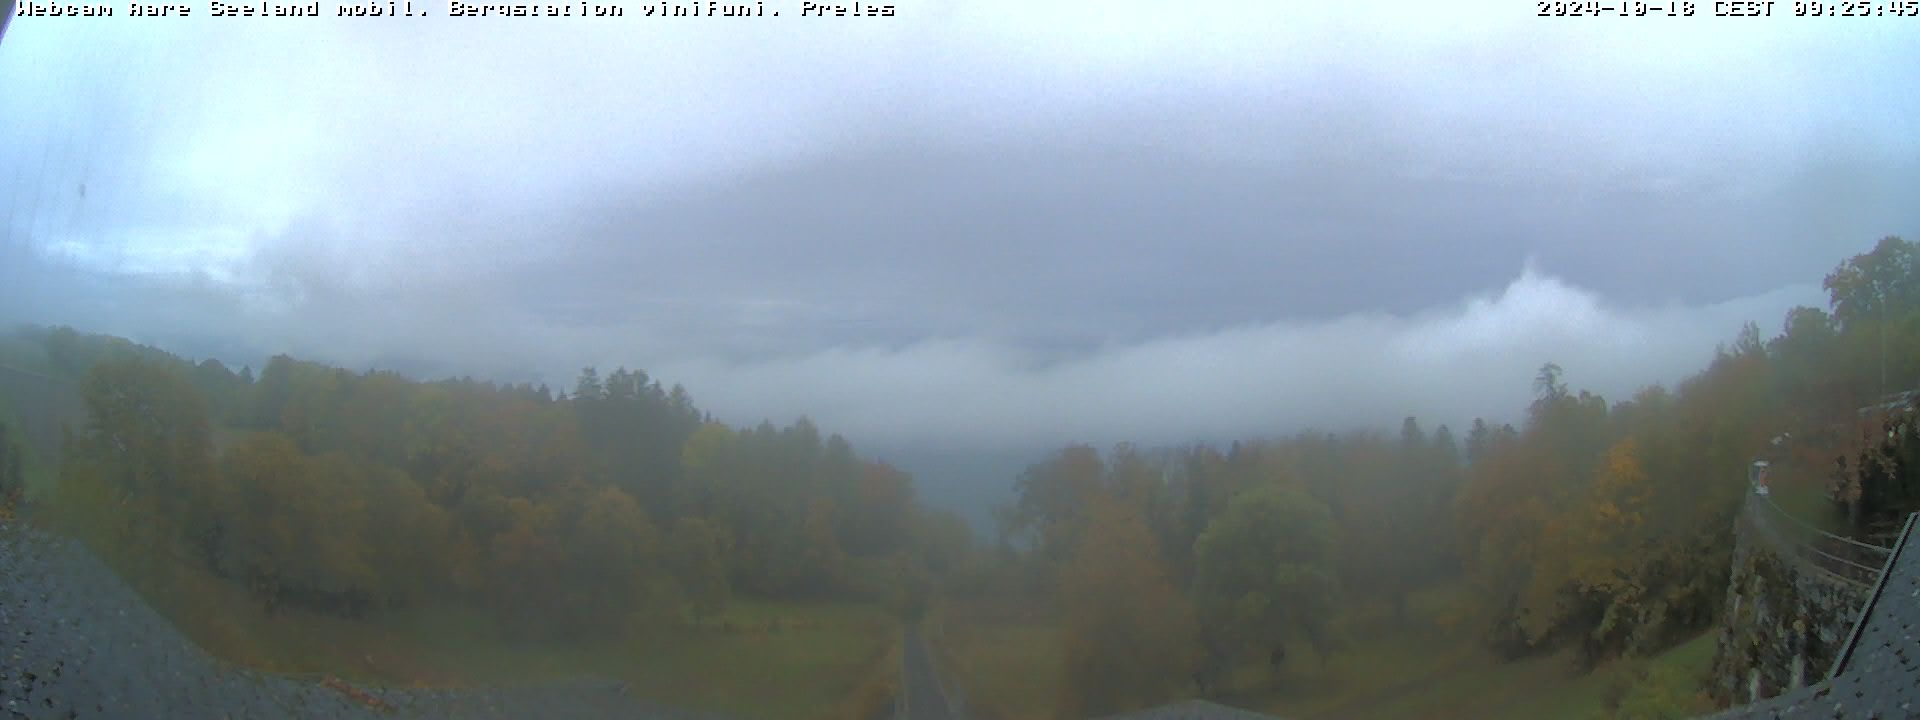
x: 1785, y: 619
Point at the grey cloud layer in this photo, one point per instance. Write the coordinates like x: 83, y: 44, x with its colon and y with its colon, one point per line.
x: 981, y: 220
x: 1476, y: 358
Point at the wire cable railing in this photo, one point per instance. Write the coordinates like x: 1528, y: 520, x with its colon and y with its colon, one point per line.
x: 1847, y: 560
x: 1860, y: 624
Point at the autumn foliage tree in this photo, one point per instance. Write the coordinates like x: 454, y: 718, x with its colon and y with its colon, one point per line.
x: 1264, y: 573
x: 1603, y: 526
x: 618, y: 509
x: 1130, y: 639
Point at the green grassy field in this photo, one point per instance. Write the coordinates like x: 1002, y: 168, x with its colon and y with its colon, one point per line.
x: 1008, y: 660
x: 760, y: 659
x: 34, y: 411
x: 40, y: 471
x: 811, y: 667
x: 1004, y: 657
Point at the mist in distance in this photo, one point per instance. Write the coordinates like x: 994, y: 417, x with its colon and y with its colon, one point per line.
x: 976, y: 226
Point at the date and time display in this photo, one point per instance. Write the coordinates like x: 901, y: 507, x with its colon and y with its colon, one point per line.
x: 1710, y: 8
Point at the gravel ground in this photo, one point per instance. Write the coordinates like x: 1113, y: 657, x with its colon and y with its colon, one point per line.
x: 76, y: 642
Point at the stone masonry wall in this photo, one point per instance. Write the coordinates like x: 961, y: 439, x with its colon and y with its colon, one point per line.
x: 1784, y: 622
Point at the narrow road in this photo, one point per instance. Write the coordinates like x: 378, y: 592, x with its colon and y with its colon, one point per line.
x: 925, y: 700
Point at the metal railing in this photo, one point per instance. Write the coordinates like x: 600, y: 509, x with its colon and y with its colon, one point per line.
x: 1873, y: 598
x: 1839, y: 558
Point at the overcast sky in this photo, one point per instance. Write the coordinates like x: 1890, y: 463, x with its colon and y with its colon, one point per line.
x: 975, y: 224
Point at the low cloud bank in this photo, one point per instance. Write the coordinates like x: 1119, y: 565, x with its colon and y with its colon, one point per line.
x: 1476, y: 358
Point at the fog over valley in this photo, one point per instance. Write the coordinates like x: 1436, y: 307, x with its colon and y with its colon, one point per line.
x: 934, y: 359
x: 979, y: 225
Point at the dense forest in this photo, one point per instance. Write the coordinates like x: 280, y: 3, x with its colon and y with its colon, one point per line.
x: 618, y: 507
x: 1596, y: 526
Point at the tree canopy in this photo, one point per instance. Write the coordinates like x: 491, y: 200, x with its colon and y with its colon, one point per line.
x: 619, y: 506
